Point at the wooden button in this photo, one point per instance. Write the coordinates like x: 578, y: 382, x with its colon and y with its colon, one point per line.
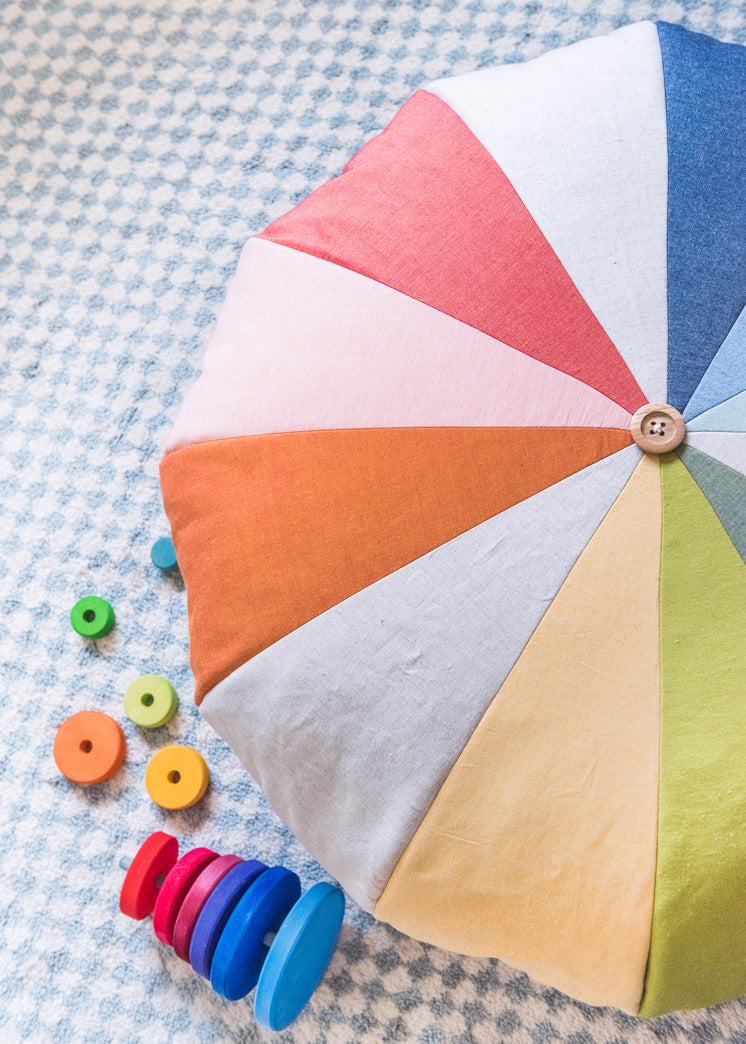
x: 657, y: 428
x: 154, y: 860
x: 89, y: 747
x: 173, y: 891
x: 92, y: 617
x: 176, y: 777
x: 150, y: 701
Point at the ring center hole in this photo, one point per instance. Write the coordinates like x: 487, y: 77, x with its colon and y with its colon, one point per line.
x: 173, y: 776
x: 86, y: 746
x: 89, y: 615
x: 147, y: 699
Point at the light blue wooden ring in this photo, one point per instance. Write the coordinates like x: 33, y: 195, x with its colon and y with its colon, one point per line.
x: 299, y: 956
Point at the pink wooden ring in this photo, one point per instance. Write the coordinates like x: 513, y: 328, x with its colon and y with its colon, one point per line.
x: 196, y: 898
x: 173, y: 891
x: 155, y: 858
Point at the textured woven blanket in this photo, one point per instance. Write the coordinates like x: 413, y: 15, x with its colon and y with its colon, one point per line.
x: 140, y: 146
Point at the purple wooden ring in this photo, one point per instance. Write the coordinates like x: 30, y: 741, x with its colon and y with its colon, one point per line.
x: 196, y: 898
x: 214, y: 915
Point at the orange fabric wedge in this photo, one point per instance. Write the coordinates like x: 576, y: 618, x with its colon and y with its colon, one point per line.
x: 273, y: 530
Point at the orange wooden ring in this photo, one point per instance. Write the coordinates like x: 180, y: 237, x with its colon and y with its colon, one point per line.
x: 89, y: 747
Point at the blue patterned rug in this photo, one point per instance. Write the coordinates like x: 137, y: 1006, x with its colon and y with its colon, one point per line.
x: 141, y: 145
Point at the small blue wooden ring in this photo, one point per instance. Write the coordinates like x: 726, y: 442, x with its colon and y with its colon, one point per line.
x: 163, y: 554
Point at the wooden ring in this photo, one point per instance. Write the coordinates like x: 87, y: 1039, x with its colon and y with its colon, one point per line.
x: 89, y: 747
x: 176, y: 777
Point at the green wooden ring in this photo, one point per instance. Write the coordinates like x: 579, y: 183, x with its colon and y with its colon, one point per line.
x: 92, y: 617
x: 150, y: 701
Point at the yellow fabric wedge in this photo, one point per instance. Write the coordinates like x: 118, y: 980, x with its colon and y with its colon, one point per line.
x: 565, y: 894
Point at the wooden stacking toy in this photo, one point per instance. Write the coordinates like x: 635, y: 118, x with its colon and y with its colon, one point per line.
x: 239, y: 923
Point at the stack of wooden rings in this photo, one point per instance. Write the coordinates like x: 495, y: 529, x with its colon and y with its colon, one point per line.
x: 239, y: 923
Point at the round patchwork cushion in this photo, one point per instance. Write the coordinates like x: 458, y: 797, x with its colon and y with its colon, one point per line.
x: 458, y: 502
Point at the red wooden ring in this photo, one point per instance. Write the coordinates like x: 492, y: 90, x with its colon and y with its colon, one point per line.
x: 173, y: 891
x: 154, y: 858
x: 196, y: 898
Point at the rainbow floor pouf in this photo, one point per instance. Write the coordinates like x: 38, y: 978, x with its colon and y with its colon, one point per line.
x: 467, y: 607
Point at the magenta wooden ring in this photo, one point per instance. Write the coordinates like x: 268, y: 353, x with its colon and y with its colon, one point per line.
x: 196, y: 898
x: 173, y: 891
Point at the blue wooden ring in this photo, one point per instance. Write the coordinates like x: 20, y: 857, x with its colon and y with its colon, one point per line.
x: 299, y: 956
x: 241, y: 949
x: 213, y: 917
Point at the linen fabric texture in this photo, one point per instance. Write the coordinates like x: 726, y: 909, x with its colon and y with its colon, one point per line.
x: 483, y: 655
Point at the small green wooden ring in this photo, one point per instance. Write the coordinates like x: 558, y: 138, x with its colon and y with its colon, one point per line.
x: 92, y: 617
x: 150, y: 701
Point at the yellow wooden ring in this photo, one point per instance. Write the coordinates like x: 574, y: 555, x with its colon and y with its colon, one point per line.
x: 176, y: 777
